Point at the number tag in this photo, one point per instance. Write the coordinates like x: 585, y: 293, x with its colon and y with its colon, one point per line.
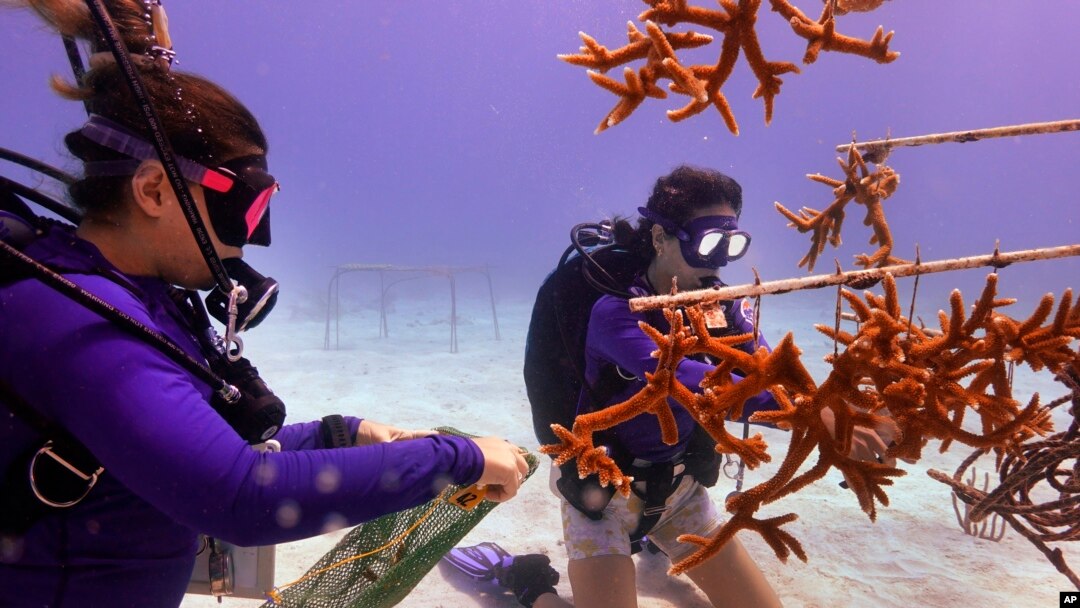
x: 468, y: 498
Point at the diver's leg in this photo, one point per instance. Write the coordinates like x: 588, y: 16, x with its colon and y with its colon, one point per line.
x: 731, y: 579
x: 604, y: 581
x: 600, y: 567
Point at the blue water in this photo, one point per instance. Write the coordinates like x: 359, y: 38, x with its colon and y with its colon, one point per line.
x: 447, y: 132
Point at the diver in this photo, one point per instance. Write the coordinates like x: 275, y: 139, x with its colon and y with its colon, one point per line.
x: 688, y: 231
x: 86, y: 403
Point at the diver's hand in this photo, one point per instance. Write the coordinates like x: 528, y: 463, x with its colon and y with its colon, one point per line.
x: 504, y: 468
x: 371, y: 432
x: 866, y: 444
x: 889, y: 432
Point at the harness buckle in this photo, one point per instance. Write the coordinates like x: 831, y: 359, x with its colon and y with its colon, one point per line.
x: 58, y: 470
x: 654, y: 511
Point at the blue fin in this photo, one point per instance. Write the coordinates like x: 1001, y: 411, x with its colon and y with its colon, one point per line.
x: 479, y: 562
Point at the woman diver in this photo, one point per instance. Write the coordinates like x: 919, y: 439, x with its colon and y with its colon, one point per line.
x: 167, y: 465
x: 687, y: 232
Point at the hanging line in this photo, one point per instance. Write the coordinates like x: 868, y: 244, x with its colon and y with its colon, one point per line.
x: 914, y: 291
x: 837, y: 316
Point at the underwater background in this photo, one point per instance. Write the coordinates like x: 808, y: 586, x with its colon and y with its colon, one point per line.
x: 432, y: 133
x: 448, y: 132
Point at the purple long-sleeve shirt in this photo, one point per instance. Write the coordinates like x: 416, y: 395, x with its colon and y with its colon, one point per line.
x: 173, y: 466
x: 614, y: 338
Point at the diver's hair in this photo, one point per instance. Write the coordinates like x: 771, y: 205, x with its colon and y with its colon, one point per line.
x: 203, y: 121
x: 72, y: 18
x: 676, y: 196
x: 637, y: 240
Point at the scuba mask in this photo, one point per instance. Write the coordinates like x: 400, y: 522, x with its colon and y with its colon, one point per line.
x: 240, y: 213
x: 237, y: 196
x: 237, y: 192
x: 709, y: 241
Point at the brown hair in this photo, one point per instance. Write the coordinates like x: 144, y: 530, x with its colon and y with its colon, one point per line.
x: 676, y: 196
x: 203, y: 121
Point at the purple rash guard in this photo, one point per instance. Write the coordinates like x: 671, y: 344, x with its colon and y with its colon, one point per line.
x: 614, y: 338
x: 174, y: 467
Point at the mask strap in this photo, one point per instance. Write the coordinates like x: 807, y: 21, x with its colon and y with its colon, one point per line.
x: 664, y: 223
x: 116, y: 137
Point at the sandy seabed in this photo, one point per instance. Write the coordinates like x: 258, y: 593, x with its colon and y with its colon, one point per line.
x: 915, y: 555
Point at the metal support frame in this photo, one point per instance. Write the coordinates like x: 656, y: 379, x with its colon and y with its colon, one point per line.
x: 333, y: 300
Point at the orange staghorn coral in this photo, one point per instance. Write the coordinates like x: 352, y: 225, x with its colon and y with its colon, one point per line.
x: 922, y: 388
x: 703, y: 82
x: 890, y: 374
x: 578, y: 443
x: 821, y: 35
x: 865, y: 187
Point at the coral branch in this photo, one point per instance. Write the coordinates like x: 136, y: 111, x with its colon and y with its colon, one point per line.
x: 888, y: 373
x: 736, y: 23
x: 1051, y: 461
x: 865, y: 188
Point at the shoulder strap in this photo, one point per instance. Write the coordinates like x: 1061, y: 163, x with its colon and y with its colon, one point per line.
x: 24, y: 411
x: 41, y: 480
x: 122, y: 320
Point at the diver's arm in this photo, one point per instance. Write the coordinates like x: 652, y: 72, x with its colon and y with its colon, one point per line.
x: 743, y: 322
x: 362, y: 431
x: 614, y: 335
x: 309, y: 435
x: 152, y: 428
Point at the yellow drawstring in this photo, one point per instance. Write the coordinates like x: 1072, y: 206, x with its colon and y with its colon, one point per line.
x: 274, y: 595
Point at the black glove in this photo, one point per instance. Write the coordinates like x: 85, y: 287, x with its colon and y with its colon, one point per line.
x: 585, y: 495
x: 529, y: 577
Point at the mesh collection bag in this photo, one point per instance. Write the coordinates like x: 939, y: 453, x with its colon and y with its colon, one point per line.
x: 378, y: 563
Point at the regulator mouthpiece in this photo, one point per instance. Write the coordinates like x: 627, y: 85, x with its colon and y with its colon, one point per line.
x: 262, y: 293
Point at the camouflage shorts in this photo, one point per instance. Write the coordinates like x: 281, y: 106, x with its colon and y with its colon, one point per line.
x: 690, y: 511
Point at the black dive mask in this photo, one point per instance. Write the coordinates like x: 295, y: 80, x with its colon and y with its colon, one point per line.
x: 237, y: 192
x: 241, y: 213
x: 262, y: 293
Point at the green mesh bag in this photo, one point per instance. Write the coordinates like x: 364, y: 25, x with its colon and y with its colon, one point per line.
x: 356, y: 573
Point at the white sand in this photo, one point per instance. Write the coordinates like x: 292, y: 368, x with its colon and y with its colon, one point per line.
x: 915, y: 555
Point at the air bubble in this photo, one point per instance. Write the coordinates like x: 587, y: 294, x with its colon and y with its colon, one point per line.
x: 265, y: 474
x: 328, y: 480
x: 288, y: 514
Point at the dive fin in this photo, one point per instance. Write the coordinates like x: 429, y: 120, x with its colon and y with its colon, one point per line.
x: 479, y: 562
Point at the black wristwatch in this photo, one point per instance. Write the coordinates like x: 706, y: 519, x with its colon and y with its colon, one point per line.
x: 335, y: 433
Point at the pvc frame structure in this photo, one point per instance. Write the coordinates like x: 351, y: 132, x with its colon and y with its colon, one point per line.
x: 333, y: 300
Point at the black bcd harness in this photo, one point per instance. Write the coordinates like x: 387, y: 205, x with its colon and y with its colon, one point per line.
x: 58, y: 471
x: 555, y: 378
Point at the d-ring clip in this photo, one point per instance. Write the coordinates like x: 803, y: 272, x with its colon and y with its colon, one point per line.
x: 90, y: 479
